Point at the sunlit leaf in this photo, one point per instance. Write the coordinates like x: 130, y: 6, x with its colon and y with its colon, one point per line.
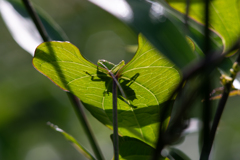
x: 22, y: 28
x: 147, y: 80
x: 73, y: 141
x: 133, y: 149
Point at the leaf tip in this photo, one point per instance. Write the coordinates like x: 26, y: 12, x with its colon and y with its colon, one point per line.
x: 55, y: 127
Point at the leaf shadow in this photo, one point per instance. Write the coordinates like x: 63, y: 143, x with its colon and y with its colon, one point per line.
x: 52, y: 58
x: 125, y: 84
x: 134, y: 120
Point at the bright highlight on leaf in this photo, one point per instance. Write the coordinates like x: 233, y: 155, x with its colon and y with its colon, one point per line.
x: 147, y: 80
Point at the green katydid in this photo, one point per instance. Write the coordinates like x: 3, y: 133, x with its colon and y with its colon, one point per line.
x: 146, y: 82
x: 112, y: 70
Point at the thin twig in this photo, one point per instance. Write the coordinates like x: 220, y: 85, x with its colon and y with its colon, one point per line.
x: 206, y: 109
x: 206, y: 113
x: 208, y: 145
x: 115, y: 122
x: 78, y: 107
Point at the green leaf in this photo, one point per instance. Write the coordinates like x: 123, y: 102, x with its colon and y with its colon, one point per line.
x: 151, y: 19
x: 147, y: 80
x: 224, y: 17
x: 23, y: 30
x: 73, y: 141
x: 195, y: 30
x: 110, y: 66
x: 133, y: 149
x: 195, y: 48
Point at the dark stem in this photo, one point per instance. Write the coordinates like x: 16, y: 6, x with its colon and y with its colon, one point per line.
x: 115, y: 122
x: 208, y: 141
x: 206, y: 114
x: 206, y: 109
x: 78, y: 107
x: 227, y: 88
x: 208, y: 145
x: 160, y: 142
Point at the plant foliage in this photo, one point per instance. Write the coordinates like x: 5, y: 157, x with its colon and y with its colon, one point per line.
x: 147, y: 80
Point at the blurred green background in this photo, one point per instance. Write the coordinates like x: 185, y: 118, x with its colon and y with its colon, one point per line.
x: 28, y: 100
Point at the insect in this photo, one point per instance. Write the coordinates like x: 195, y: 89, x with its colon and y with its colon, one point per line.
x: 112, y: 70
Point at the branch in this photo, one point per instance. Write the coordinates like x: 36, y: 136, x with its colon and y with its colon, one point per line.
x: 227, y: 87
x: 206, y: 87
x: 115, y: 122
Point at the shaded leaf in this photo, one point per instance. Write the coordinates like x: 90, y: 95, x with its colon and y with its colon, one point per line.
x: 22, y: 28
x: 194, y: 29
x: 73, y: 141
x: 148, y: 80
x: 195, y: 48
x: 151, y: 19
x: 133, y: 149
x: 224, y: 17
